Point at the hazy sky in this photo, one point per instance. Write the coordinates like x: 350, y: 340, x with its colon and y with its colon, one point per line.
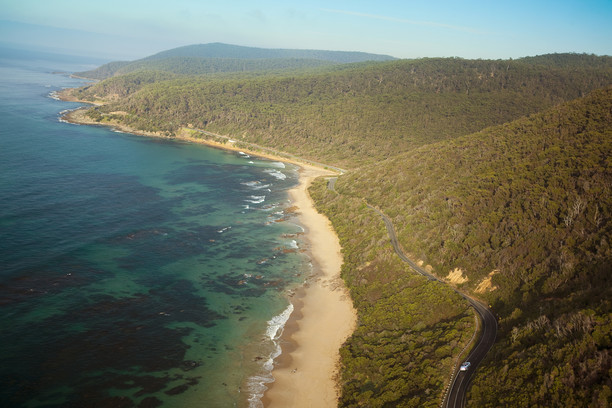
x: 131, y: 29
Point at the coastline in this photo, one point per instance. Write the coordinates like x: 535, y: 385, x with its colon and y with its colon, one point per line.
x: 77, y: 116
x: 305, y: 374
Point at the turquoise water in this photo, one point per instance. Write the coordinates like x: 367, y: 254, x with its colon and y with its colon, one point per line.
x: 134, y: 271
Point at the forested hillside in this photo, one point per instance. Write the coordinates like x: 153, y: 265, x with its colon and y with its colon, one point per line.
x: 497, y: 171
x: 220, y: 50
x: 201, y: 66
x: 217, y: 57
x: 410, y: 330
x: 526, y: 206
x: 353, y: 114
x: 104, y: 71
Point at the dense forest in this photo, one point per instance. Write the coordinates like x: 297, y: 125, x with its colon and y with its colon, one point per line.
x: 410, y: 330
x: 525, y: 206
x: 499, y: 171
x: 201, y: 66
x: 350, y: 114
x: 218, y: 57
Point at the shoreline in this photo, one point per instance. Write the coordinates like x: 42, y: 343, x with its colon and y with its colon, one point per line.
x: 306, y: 372
x: 77, y: 116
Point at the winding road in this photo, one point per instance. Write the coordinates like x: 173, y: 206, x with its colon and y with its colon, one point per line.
x: 455, y: 395
x: 455, y: 398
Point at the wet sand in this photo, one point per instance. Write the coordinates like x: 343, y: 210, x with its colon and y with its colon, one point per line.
x: 324, y: 317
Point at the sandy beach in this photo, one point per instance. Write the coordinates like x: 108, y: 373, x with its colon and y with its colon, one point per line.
x: 79, y: 116
x: 324, y: 317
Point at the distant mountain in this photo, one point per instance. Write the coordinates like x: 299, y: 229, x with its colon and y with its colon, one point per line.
x: 104, y: 71
x: 220, y: 50
x: 218, y: 57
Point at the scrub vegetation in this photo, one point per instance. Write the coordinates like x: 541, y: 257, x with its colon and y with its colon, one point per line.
x: 500, y: 171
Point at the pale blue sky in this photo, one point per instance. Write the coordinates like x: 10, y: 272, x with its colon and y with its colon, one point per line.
x: 131, y: 29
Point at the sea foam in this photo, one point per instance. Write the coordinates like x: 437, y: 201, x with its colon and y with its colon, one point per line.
x: 257, y: 383
x: 276, y: 174
x: 277, y: 323
x: 256, y: 185
x: 256, y: 199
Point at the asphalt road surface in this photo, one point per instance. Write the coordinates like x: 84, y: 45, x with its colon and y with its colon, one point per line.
x: 461, y: 379
x: 455, y: 398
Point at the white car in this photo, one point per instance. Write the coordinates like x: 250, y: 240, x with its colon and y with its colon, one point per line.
x: 465, y: 366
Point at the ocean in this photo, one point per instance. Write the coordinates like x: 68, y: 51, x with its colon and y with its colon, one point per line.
x: 134, y: 271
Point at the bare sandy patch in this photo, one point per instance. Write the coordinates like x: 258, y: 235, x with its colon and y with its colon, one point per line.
x: 486, y: 285
x: 456, y: 277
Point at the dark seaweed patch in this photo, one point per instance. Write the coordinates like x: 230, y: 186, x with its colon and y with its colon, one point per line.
x: 178, y: 389
x: 243, y: 285
x: 153, y: 248
x: 36, y: 284
x: 203, y: 174
x: 150, y: 402
x: 116, y: 335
